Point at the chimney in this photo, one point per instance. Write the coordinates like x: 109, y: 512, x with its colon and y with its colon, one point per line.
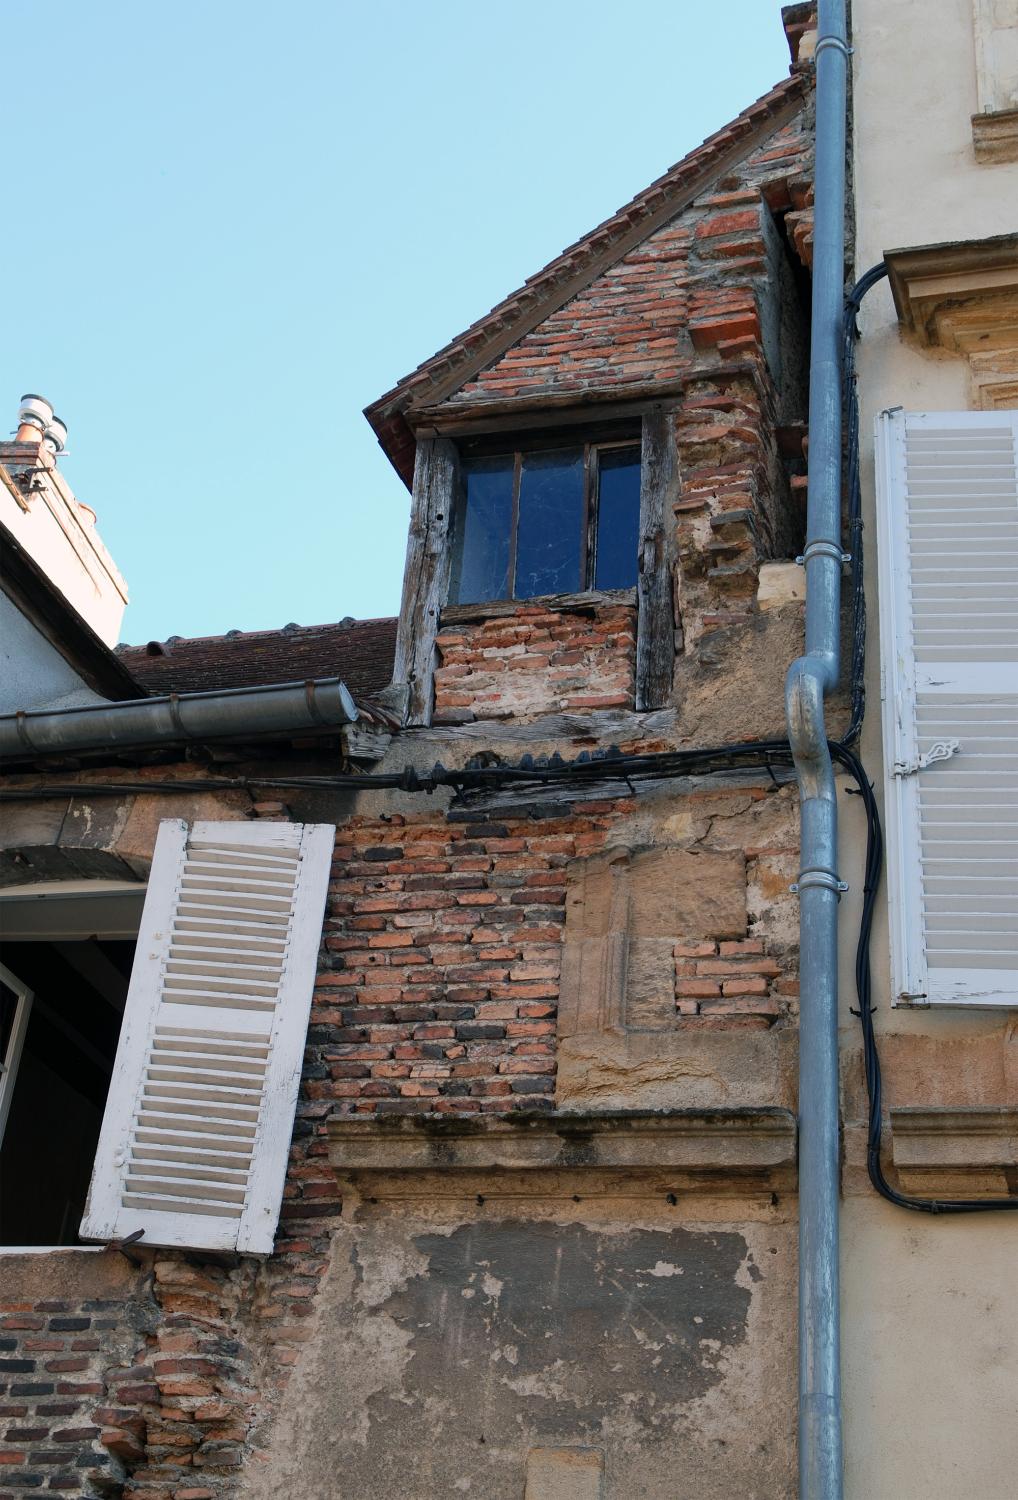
x: 37, y: 423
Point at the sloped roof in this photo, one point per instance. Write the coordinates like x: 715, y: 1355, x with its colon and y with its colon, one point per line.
x: 541, y: 294
x: 358, y: 651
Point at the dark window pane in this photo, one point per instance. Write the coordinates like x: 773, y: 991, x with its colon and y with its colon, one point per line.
x: 8, y: 1010
x: 550, y: 524
x: 483, y: 525
x: 618, y: 518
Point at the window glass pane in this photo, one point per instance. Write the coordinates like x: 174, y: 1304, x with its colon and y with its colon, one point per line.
x: 483, y: 526
x: 551, y: 523
x: 618, y: 518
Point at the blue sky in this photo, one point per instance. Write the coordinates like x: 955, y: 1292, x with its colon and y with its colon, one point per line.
x: 233, y: 224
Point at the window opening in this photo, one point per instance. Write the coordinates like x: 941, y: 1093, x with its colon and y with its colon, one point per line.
x: 66, y: 998
x: 547, y: 521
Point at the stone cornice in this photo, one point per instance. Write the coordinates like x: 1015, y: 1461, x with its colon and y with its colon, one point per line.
x: 995, y: 135
x: 956, y: 1151
x: 711, y: 1149
x: 961, y: 296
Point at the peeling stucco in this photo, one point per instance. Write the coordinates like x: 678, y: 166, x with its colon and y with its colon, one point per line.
x: 450, y: 1348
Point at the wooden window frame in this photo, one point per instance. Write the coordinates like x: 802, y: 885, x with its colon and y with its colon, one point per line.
x: 428, y: 567
x: 11, y: 1060
x: 592, y: 449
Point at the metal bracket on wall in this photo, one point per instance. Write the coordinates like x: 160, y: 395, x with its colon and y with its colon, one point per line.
x: 939, y: 750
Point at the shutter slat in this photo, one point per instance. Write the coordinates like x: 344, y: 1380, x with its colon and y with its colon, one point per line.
x: 198, y: 1121
x: 948, y: 507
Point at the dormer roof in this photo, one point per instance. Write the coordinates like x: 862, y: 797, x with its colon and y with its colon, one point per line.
x: 542, y: 294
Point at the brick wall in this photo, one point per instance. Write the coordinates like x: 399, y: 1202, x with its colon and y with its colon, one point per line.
x: 691, y: 287
x: 721, y: 984
x: 734, y: 510
x: 443, y: 948
x: 536, y: 661
x: 69, y: 1393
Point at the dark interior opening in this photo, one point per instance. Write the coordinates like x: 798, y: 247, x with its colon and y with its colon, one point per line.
x: 60, y: 1083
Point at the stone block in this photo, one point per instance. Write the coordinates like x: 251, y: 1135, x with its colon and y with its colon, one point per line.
x: 564, y: 1474
x: 780, y: 583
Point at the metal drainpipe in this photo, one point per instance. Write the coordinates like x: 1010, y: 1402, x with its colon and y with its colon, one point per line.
x: 809, y: 679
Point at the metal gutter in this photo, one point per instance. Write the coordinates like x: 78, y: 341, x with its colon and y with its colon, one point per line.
x: 809, y: 680
x: 238, y: 713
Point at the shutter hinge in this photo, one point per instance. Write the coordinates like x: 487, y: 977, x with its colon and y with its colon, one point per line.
x: 939, y: 750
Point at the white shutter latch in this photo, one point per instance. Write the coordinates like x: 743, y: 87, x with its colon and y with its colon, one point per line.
x: 939, y: 750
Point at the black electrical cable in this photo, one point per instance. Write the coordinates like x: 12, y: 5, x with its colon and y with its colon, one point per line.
x: 864, y: 991
x: 853, y: 491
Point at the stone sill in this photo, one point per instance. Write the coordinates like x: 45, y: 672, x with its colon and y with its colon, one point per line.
x: 707, y: 1148
x: 956, y: 1151
x: 494, y: 609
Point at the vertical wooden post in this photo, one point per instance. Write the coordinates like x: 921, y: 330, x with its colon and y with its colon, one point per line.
x: 655, y: 635
x: 425, y: 578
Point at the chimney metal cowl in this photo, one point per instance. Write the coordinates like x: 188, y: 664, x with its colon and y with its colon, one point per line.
x: 35, y: 411
x: 55, y: 435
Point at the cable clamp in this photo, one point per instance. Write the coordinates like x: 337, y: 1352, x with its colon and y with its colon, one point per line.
x: 823, y: 549
x: 832, y: 41
x: 939, y: 750
x: 818, y: 876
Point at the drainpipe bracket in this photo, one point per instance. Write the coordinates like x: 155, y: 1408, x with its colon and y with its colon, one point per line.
x: 823, y: 549
x: 836, y: 43
x: 827, y: 880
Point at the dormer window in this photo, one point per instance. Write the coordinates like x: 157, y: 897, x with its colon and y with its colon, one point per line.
x: 546, y: 520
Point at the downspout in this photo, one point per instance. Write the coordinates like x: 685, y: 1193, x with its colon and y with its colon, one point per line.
x: 809, y: 680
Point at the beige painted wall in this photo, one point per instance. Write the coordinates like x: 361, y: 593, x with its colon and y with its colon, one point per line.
x: 61, y: 536
x: 931, y: 1366
x: 930, y: 1316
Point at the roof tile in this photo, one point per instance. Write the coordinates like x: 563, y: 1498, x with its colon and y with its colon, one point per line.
x: 358, y: 651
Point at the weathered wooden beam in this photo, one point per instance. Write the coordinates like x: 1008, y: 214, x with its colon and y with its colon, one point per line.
x: 425, y: 579
x: 655, y: 634
x: 514, y: 414
x: 586, y: 602
x: 364, y: 741
x: 601, y: 726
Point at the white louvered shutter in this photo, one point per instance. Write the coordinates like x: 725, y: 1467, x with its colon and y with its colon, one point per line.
x: 947, y: 500
x: 197, y: 1128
